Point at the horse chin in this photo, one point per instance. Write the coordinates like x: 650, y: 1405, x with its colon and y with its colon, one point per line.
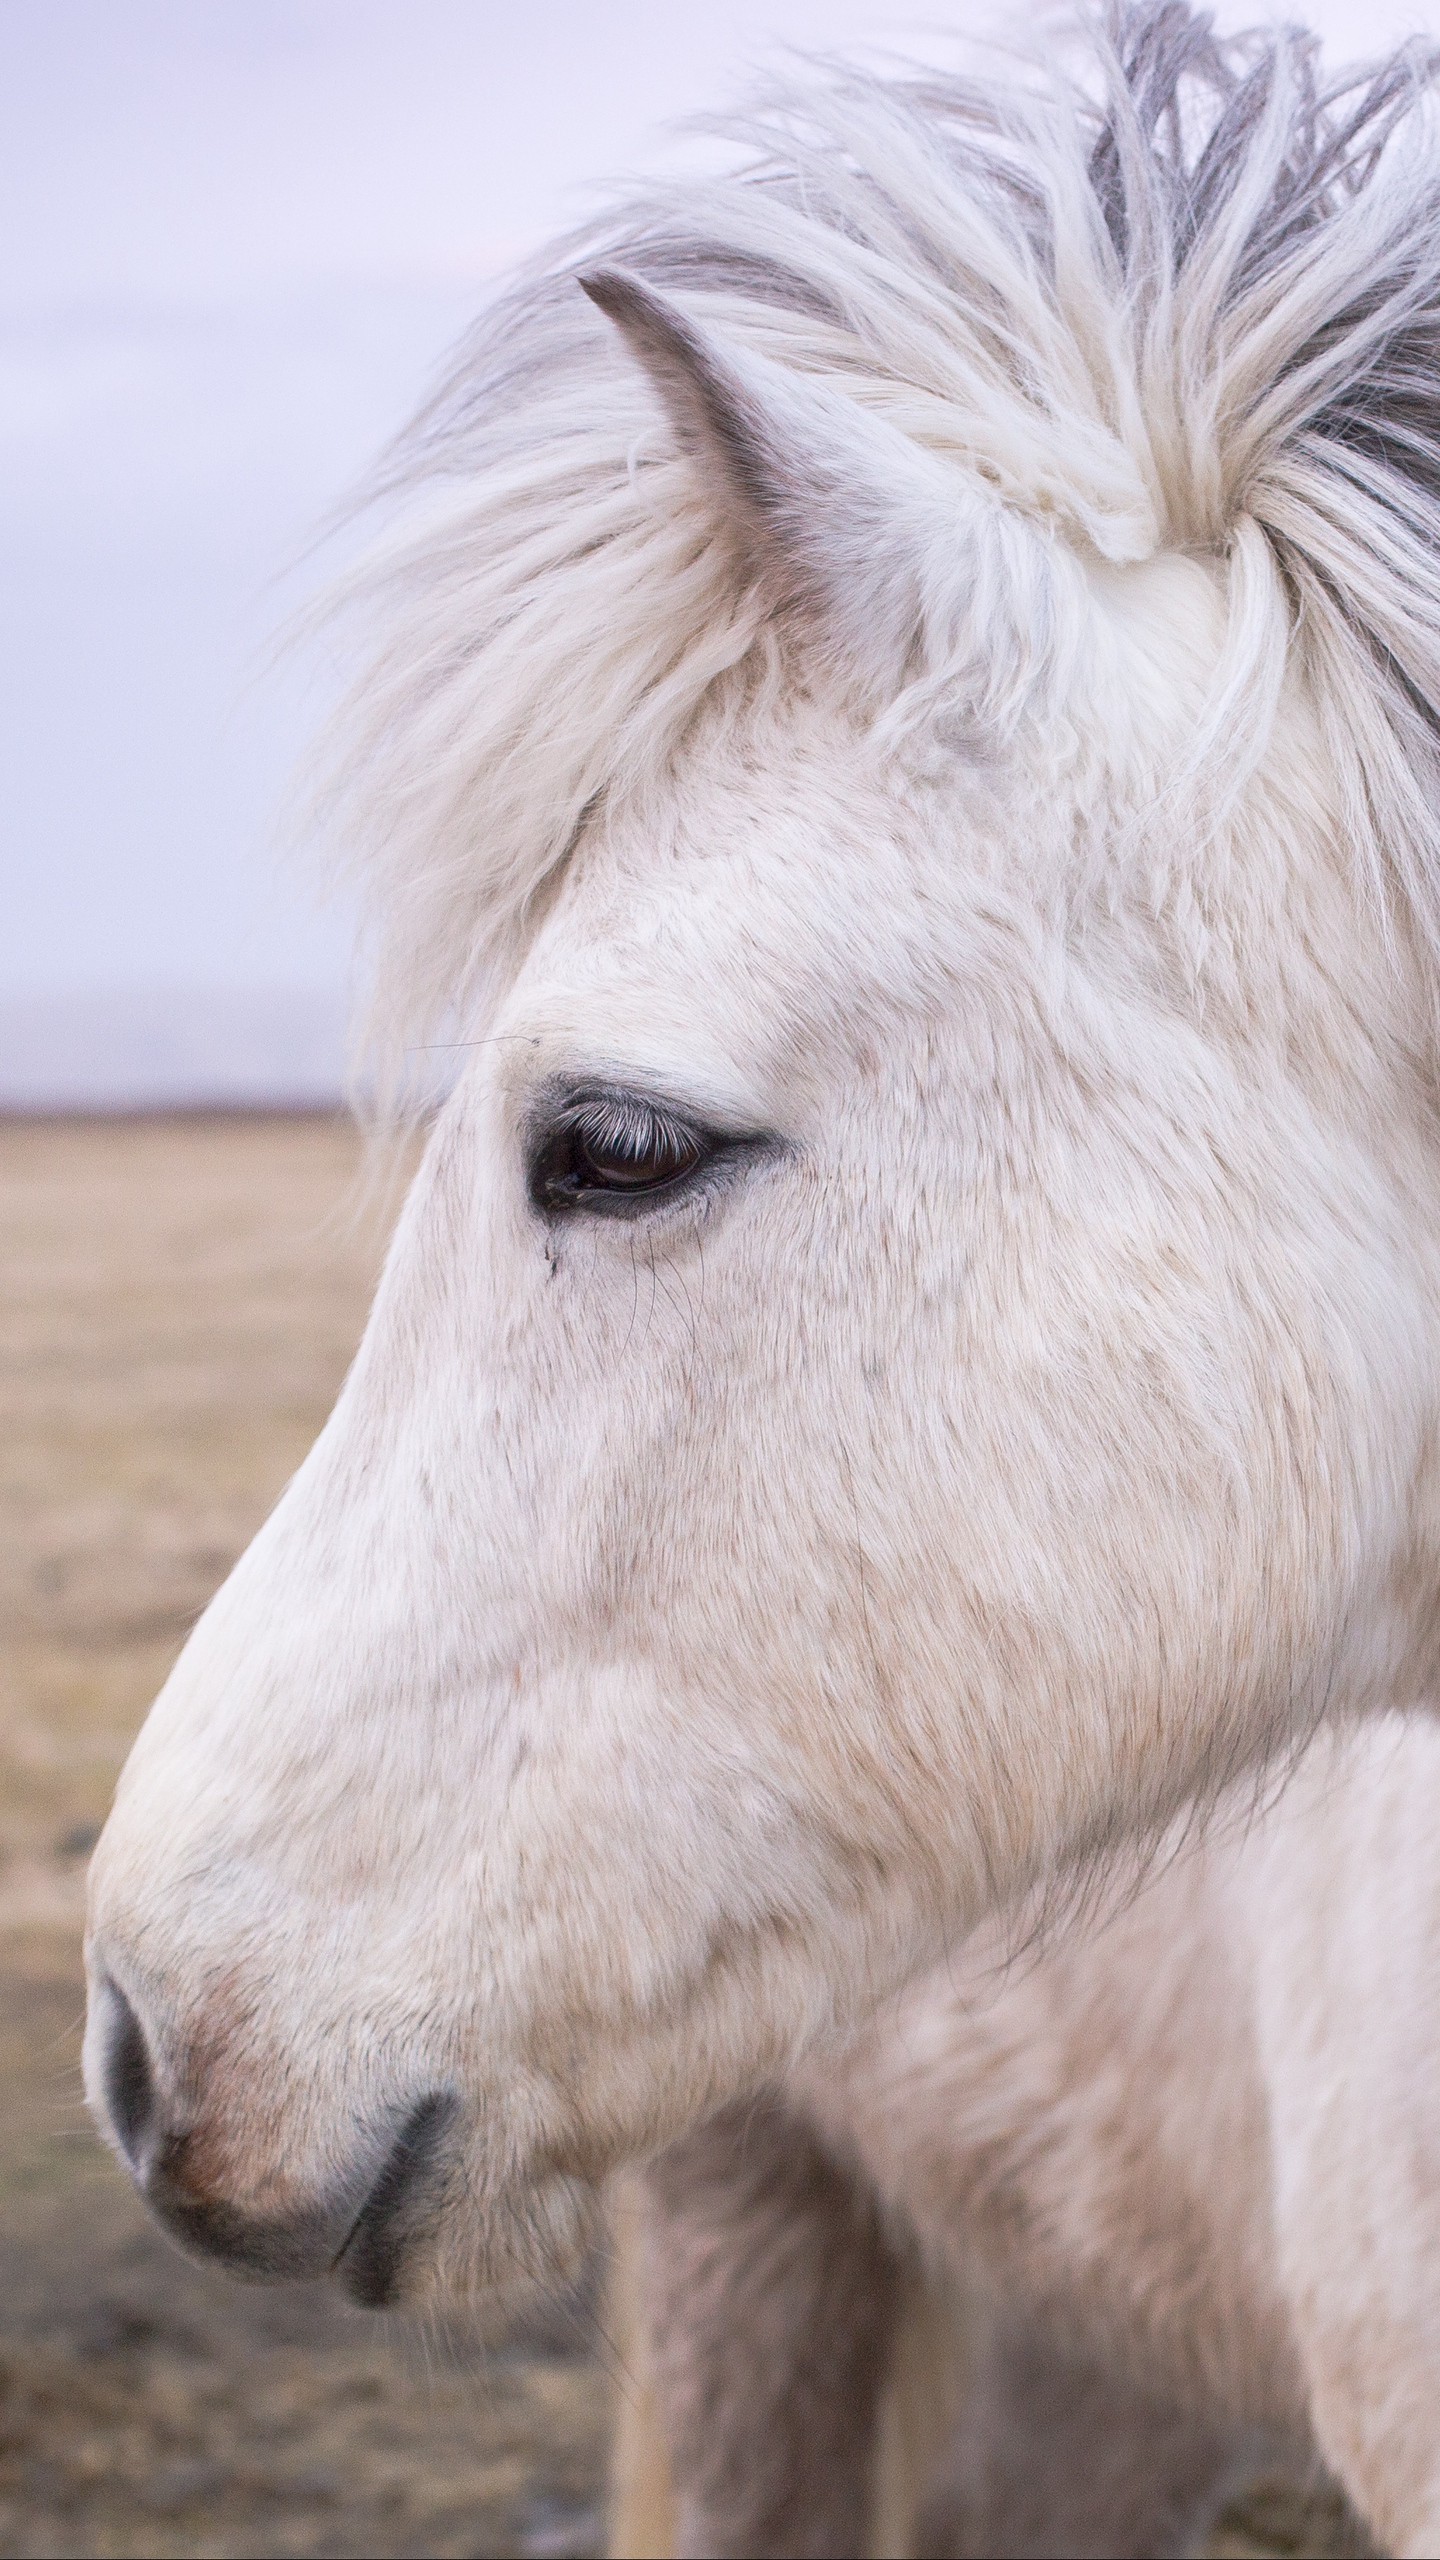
x: 493, y: 2258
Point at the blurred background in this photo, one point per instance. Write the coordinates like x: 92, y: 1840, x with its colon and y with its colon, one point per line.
x: 236, y: 240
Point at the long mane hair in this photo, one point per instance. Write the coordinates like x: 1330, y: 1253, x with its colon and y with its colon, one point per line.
x: 1179, y: 292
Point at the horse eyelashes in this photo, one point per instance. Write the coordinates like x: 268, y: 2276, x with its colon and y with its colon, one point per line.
x: 633, y: 1142
x: 609, y: 1149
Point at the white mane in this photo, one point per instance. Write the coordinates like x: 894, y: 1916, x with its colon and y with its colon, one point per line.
x: 1185, y: 296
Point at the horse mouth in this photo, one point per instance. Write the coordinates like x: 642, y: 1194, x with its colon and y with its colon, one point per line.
x: 401, y: 2202
x: 401, y: 2207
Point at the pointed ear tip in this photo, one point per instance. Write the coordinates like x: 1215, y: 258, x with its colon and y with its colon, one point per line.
x: 611, y: 290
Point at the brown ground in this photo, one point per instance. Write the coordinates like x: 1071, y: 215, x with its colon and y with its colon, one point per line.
x: 178, y: 1301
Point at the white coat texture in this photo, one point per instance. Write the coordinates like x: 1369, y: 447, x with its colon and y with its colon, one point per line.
x: 924, y: 674
x: 1094, y: 2228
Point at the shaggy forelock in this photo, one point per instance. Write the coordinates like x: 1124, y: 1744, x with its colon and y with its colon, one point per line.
x: 1184, y: 293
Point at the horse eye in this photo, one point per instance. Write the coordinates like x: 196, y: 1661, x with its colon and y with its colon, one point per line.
x: 610, y: 1148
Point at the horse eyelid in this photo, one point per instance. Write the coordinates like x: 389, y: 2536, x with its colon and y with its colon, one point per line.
x: 715, y: 1149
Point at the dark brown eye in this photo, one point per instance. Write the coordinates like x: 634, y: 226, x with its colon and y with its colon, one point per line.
x: 608, y: 1149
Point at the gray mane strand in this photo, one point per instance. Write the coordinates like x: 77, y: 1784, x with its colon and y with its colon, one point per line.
x: 1182, y: 292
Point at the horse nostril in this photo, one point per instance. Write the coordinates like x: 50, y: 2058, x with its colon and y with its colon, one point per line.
x: 129, y: 2086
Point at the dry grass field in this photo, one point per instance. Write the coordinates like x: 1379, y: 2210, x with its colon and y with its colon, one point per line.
x: 178, y: 1301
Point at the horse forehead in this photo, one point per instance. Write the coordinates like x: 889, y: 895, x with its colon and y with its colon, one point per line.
x: 742, y: 894
x: 722, y: 975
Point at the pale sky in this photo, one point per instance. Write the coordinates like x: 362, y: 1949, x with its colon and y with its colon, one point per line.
x: 238, y: 236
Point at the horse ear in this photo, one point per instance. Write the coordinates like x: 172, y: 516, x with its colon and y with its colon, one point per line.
x: 887, y: 550
x: 717, y: 413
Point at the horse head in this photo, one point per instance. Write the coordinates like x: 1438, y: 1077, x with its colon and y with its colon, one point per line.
x: 902, y: 736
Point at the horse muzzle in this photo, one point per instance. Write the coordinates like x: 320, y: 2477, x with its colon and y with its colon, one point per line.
x: 375, y: 2215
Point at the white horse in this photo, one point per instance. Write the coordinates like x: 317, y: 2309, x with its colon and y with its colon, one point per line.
x: 1050, y: 2254
x: 907, y: 736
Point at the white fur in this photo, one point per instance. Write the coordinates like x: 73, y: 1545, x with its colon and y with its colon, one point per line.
x: 1189, y: 2144
x: 687, y: 1627
x: 1198, y: 2137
